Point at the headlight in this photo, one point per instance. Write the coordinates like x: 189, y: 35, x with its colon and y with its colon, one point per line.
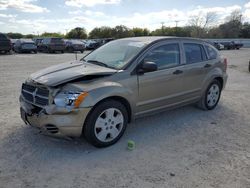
x: 73, y: 99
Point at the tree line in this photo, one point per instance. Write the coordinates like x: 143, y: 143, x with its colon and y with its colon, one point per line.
x: 200, y: 26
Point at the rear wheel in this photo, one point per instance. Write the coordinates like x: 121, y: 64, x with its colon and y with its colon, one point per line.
x: 211, y: 97
x: 106, y: 123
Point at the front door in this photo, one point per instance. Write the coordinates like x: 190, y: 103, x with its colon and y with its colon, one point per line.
x: 161, y: 88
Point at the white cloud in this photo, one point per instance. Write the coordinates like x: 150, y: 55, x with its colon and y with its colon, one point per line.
x: 90, y: 19
x: 246, y: 15
x: 7, y: 16
x: 151, y: 20
x: 89, y: 3
x: 247, y: 5
x: 22, y: 5
x: 75, y: 12
x: 217, y: 10
x: 87, y: 13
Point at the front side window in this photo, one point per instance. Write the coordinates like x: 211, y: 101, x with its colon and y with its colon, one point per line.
x: 212, y: 54
x: 194, y: 53
x: 164, y: 56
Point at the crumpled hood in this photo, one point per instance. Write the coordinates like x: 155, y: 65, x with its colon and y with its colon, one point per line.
x: 66, y: 72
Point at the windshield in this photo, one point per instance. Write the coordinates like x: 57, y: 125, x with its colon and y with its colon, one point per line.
x: 115, y: 54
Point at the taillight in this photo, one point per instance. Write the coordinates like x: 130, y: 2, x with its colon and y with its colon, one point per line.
x: 225, y: 63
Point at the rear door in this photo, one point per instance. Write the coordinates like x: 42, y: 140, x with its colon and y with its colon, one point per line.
x: 196, y: 68
x: 161, y: 88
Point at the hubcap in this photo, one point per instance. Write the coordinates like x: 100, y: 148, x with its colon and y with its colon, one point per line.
x: 213, y: 95
x: 109, y: 124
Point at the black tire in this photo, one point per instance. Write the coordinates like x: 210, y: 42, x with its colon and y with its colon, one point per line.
x: 89, y: 125
x: 203, y: 103
x: 81, y: 51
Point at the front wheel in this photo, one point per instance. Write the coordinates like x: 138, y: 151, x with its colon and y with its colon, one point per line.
x: 106, y: 123
x: 211, y: 97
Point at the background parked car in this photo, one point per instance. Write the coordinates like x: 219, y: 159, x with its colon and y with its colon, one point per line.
x: 13, y: 41
x: 237, y: 45
x: 92, y: 45
x: 5, y: 43
x: 74, y: 46
x: 218, y: 46
x: 25, y: 45
x: 232, y: 45
x: 50, y: 45
x: 37, y: 41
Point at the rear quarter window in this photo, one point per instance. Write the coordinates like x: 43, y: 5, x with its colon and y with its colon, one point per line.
x: 211, y: 52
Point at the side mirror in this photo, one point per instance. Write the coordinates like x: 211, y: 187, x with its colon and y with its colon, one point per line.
x: 147, y: 66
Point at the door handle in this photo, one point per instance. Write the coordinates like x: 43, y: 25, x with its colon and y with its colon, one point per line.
x: 178, y: 72
x: 207, y: 66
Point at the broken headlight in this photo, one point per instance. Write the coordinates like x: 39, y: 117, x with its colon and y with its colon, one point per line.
x: 73, y: 99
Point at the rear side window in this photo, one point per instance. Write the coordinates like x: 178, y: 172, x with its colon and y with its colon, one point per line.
x: 165, y: 56
x: 211, y: 52
x: 194, y: 53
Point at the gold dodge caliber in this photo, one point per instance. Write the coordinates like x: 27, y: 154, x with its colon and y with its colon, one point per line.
x: 120, y: 81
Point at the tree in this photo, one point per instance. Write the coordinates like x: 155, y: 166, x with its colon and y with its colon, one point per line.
x: 232, y: 28
x: 101, y: 32
x: 77, y: 33
x: 214, y: 32
x: 122, y: 31
x: 46, y: 34
x: 140, y: 32
x: 245, y: 30
x: 15, y: 35
x: 30, y: 36
x: 201, y: 23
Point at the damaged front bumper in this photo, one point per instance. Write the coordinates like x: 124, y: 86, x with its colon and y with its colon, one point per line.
x: 53, y: 120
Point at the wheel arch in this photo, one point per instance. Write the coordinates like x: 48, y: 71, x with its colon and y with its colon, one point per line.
x: 220, y: 79
x: 120, y: 99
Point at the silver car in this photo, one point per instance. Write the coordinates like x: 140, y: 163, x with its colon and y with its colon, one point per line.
x: 125, y: 79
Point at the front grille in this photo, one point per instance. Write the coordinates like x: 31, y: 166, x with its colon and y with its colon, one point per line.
x: 35, y: 95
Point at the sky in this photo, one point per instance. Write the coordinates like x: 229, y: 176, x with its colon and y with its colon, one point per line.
x: 38, y: 16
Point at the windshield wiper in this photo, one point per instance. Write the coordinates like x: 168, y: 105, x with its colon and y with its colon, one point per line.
x: 97, y: 63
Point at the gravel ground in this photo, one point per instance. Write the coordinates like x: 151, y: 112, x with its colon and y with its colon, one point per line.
x: 185, y: 147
